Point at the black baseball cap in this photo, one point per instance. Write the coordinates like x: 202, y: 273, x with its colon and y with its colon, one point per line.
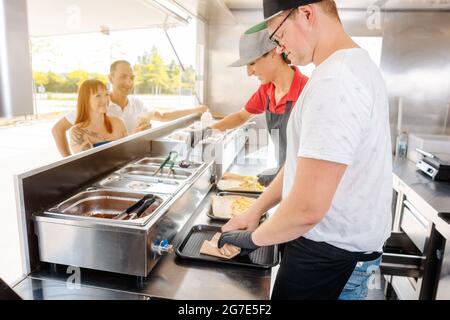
x: 273, y: 8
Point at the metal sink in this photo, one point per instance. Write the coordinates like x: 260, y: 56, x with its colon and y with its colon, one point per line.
x: 148, y: 171
x: 104, y: 204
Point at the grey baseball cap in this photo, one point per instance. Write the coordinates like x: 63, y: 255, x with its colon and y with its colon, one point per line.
x: 252, y: 47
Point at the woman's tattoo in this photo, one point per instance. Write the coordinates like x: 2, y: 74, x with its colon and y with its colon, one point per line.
x: 78, y: 139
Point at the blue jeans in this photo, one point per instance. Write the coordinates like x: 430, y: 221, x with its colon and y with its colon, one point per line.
x: 356, y: 287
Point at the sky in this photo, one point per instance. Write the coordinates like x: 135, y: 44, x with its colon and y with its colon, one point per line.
x: 94, y: 52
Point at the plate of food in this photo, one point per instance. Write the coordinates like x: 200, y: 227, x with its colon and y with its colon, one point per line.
x: 238, y: 183
x: 226, y: 205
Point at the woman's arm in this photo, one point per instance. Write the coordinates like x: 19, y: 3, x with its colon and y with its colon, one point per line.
x: 59, y: 134
x: 79, y: 140
x: 119, y: 127
x: 233, y: 120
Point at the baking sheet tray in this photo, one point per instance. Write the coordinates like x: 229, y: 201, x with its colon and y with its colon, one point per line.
x: 264, y: 257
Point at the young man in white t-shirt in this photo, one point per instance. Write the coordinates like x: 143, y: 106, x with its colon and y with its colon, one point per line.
x: 131, y: 110
x: 334, y: 192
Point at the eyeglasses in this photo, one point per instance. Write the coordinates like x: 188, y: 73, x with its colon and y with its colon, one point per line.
x: 271, y: 37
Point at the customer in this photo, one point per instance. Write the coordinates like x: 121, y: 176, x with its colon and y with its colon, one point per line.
x: 131, y: 110
x: 334, y: 192
x: 93, y: 127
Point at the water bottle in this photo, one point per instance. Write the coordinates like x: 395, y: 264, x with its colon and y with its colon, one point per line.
x: 401, y: 145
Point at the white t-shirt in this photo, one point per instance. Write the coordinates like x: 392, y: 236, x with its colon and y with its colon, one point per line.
x: 342, y: 116
x: 129, y: 114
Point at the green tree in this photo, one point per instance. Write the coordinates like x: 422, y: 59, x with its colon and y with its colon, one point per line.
x: 75, y: 78
x: 40, y: 78
x: 55, y: 82
x: 174, y: 74
x: 103, y: 78
x: 151, y: 74
x: 188, y: 78
x: 156, y: 73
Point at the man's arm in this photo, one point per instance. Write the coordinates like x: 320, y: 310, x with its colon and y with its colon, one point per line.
x: 315, y: 184
x: 59, y: 134
x: 233, y: 120
x: 172, y: 115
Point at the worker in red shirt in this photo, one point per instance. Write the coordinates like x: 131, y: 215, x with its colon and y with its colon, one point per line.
x: 281, y: 85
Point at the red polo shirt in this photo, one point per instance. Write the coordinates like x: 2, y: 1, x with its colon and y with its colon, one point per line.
x: 257, y: 103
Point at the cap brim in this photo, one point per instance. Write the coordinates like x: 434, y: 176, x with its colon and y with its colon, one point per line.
x: 263, y: 24
x: 242, y: 62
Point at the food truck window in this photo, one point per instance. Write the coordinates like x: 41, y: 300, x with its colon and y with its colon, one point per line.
x: 64, y: 51
x: 61, y: 63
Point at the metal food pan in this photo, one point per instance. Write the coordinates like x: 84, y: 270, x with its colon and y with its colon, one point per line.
x: 264, y: 257
x: 158, y: 161
x: 237, y: 190
x: 138, y: 184
x: 103, y: 204
x: 148, y: 171
x: 210, y: 212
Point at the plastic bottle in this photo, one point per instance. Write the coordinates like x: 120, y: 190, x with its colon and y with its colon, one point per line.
x: 206, y: 120
x: 401, y: 145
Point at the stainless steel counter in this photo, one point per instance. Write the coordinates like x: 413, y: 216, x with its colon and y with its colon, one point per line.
x: 429, y: 196
x: 172, y: 278
x: 428, y: 200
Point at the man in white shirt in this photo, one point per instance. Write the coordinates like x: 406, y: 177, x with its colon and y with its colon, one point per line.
x: 334, y: 193
x: 131, y: 110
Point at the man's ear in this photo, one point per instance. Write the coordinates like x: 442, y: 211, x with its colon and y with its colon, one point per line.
x: 110, y: 78
x: 307, y: 11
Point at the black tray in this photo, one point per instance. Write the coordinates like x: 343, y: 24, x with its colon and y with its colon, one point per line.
x: 211, y: 215
x: 264, y: 257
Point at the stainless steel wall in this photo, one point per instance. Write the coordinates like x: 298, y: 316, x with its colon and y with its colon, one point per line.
x: 415, y: 63
x: 228, y: 89
x: 416, y: 66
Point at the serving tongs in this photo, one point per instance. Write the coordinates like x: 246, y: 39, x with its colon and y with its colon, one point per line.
x: 136, y: 210
x: 170, y: 161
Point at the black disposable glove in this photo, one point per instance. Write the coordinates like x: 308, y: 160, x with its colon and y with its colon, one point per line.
x: 241, y: 239
x: 267, y: 176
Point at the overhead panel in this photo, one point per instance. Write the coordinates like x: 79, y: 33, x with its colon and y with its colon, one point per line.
x: 61, y: 17
x: 358, y: 4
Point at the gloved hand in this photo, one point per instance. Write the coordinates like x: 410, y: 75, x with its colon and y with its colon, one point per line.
x: 241, y: 239
x: 267, y: 176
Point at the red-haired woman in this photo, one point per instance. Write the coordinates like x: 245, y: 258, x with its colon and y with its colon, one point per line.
x: 93, y: 127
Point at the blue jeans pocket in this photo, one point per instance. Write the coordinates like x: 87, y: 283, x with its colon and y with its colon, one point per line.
x: 356, y: 287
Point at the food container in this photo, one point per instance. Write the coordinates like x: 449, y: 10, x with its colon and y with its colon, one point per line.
x: 104, y: 204
x: 227, y: 194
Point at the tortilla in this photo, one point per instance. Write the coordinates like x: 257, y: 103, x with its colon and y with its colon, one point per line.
x: 228, y: 251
